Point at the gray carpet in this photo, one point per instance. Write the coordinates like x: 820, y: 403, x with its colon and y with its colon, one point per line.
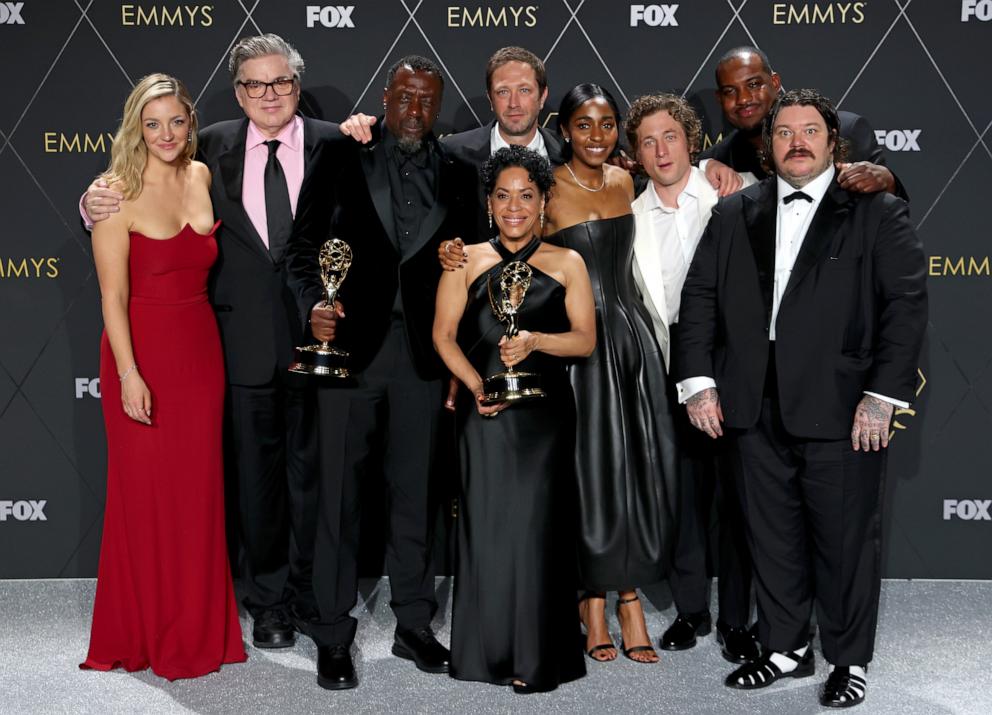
x: 933, y: 653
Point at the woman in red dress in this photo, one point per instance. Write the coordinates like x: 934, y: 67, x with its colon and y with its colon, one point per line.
x: 164, y: 597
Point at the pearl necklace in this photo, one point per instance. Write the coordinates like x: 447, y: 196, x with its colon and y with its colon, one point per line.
x: 583, y: 186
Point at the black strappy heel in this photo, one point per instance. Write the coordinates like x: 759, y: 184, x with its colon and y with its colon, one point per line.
x: 637, y: 648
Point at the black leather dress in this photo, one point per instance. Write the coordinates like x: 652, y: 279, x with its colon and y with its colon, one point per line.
x: 513, y: 615
x: 625, y: 452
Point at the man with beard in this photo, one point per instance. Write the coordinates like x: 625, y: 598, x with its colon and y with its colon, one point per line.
x: 393, y: 203
x: 802, y: 319
x: 517, y: 87
x: 746, y: 89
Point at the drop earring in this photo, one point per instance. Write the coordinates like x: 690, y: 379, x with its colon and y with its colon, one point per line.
x: 490, y: 212
x: 542, y: 218
x: 189, y: 136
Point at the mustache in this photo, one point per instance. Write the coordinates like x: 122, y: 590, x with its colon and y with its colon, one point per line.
x: 799, y: 152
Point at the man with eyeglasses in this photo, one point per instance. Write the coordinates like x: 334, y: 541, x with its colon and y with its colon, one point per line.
x: 261, y: 165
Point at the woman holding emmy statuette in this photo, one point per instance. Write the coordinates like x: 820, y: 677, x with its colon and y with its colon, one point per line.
x: 515, y: 579
x: 625, y: 459
x: 164, y: 597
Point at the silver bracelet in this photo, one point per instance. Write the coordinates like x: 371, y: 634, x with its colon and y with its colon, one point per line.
x: 128, y: 372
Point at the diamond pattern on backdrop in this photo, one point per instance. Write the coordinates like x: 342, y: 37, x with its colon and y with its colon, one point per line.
x: 70, y: 67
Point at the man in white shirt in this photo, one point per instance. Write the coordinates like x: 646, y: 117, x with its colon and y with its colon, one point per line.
x: 670, y: 215
x: 802, y: 318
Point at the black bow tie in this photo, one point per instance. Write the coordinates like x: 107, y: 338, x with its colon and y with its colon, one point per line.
x: 797, y: 195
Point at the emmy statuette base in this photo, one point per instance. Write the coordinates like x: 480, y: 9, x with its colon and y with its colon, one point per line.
x: 511, y: 386
x: 320, y: 361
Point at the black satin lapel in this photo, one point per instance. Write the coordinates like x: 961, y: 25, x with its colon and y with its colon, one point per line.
x: 232, y: 173
x: 377, y: 178
x: 759, y: 218
x: 439, y: 210
x: 552, y: 143
x: 829, y: 216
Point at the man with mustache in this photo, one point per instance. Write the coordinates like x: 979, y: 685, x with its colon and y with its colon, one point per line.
x: 746, y: 89
x: 393, y: 202
x: 802, y: 319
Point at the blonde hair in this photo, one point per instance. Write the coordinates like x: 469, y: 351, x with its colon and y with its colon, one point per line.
x: 129, y: 154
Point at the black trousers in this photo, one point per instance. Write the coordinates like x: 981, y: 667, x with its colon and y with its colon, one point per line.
x: 707, y: 477
x: 813, y: 513
x: 388, y: 417
x: 273, y: 446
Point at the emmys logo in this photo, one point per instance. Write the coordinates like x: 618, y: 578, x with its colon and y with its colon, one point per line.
x: 653, y: 15
x: 709, y: 141
x: 330, y: 16
x: 898, y: 139
x: 831, y: 13
x: 29, y: 268
x: 164, y: 16
x: 10, y: 13
x: 87, y: 386
x: 76, y: 143
x: 960, y: 266
x: 905, y: 412
x: 965, y: 509
x: 29, y: 510
x: 979, y: 9
x: 512, y: 16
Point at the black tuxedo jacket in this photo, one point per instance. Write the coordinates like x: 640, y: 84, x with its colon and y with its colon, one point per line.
x: 738, y: 153
x: 473, y: 147
x: 351, y: 200
x: 256, y: 311
x: 852, y: 317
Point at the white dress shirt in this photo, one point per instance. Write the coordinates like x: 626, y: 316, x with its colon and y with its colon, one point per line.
x: 497, y: 142
x: 678, y: 230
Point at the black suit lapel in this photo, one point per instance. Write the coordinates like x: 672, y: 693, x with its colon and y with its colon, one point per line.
x: 377, y: 176
x: 759, y: 217
x: 232, y: 172
x: 829, y: 216
x: 439, y: 209
x: 552, y: 143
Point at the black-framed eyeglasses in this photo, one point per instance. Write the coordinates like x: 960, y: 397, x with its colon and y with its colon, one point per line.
x: 257, y: 90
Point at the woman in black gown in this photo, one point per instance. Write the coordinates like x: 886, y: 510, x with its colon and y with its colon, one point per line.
x: 515, y: 576
x: 625, y: 457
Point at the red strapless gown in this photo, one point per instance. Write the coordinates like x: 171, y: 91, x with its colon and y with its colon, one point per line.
x: 164, y: 597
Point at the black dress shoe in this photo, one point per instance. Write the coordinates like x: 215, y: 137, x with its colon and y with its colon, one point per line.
x: 335, y: 671
x: 763, y: 672
x: 272, y: 629
x: 738, y: 644
x: 682, y: 634
x: 843, y: 689
x: 422, y: 648
x: 527, y: 689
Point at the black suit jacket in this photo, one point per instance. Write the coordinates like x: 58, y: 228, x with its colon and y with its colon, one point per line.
x: 351, y: 200
x: 473, y: 147
x: 738, y: 153
x: 852, y: 317
x: 256, y: 311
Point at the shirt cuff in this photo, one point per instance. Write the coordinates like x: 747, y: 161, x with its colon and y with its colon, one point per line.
x: 883, y: 398
x: 87, y: 221
x: 691, y: 385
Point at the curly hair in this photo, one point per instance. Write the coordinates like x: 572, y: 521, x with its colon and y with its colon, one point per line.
x: 679, y: 109
x: 804, y: 98
x: 538, y: 168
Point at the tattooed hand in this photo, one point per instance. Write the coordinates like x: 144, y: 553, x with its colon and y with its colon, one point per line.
x: 871, y: 424
x: 705, y: 413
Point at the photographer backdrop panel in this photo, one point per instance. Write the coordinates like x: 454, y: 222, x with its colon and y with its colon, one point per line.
x: 904, y: 64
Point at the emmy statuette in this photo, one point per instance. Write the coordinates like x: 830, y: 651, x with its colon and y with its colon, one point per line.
x: 323, y: 359
x: 505, y: 301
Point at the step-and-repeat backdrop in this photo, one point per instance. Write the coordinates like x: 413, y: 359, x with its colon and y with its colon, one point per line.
x: 917, y: 69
